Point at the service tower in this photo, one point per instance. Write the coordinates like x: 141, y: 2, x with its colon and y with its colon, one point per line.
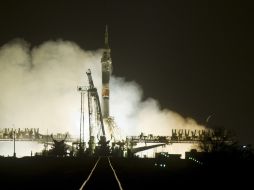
x: 106, y: 64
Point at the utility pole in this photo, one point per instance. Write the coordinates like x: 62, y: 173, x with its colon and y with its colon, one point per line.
x: 14, y: 140
x: 47, y: 141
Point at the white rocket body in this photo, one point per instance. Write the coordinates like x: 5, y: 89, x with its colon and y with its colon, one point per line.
x: 106, y: 64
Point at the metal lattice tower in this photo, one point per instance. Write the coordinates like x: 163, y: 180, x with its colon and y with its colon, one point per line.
x: 83, y: 91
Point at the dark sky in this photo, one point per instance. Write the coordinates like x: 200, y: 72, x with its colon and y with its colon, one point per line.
x: 194, y: 57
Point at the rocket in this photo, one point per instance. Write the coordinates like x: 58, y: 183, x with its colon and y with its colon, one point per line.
x: 106, y: 67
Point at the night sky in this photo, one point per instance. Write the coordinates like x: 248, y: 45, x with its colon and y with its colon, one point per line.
x: 194, y: 57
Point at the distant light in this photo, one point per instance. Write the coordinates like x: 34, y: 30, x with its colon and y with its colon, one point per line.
x: 193, y: 159
x: 160, y: 165
x: 155, y: 164
x: 244, y: 146
x: 164, y: 165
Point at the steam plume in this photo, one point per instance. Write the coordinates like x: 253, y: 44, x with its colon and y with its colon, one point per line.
x: 38, y: 90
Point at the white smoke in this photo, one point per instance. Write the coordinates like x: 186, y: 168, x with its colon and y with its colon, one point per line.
x: 38, y: 90
x: 135, y: 116
x: 38, y: 86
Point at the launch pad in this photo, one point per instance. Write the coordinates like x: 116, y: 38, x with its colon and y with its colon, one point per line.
x: 103, y: 130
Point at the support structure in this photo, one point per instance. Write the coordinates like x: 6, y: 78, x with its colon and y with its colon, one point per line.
x: 93, y: 99
x: 96, y: 125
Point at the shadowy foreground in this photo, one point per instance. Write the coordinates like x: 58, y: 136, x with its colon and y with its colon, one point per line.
x: 133, y: 173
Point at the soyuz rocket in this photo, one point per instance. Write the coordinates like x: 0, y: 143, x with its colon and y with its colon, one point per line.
x: 106, y: 67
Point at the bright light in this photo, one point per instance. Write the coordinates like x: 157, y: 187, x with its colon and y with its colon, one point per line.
x: 58, y: 67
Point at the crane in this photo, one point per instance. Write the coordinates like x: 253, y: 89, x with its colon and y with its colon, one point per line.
x: 93, y: 95
x: 95, y: 118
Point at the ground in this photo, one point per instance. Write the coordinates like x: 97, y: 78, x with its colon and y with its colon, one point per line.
x: 134, y: 173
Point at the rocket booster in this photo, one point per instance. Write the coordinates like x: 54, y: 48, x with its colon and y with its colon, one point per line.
x: 106, y: 64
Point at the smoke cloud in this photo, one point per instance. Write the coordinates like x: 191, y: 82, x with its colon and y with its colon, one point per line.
x: 38, y: 90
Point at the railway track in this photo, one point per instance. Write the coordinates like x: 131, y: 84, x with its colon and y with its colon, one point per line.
x: 102, y: 176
